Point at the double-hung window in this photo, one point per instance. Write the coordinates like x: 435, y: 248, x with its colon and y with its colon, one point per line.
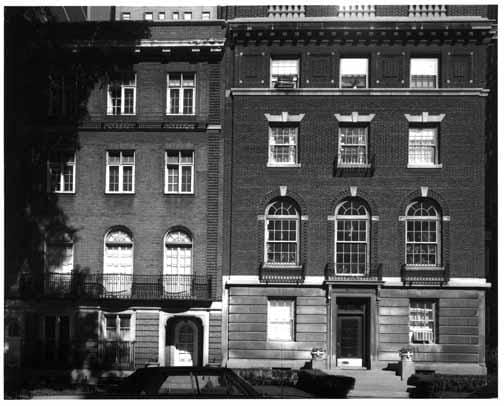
x: 118, y: 327
x: 181, y: 97
x: 422, y: 322
x: 179, y: 172
x: 423, y: 147
x: 424, y: 72
x: 281, y: 319
x: 282, y: 233
x: 283, y: 146
x: 284, y: 73
x: 423, y: 234
x: 353, y: 146
x: 120, y: 172
x: 121, y: 96
x: 353, y: 73
x: 61, y: 167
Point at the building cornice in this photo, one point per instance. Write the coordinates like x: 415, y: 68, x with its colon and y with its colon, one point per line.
x: 360, y: 92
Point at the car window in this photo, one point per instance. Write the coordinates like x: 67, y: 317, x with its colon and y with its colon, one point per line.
x: 216, y: 385
x: 178, y: 385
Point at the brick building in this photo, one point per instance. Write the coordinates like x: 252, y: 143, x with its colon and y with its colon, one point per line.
x: 355, y: 158
x: 131, y: 274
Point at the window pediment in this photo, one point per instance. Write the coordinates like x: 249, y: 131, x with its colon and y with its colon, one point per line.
x: 354, y: 117
x: 425, y: 117
x: 285, y: 117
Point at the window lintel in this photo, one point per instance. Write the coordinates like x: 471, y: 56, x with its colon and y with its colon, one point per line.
x: 425, y: 117
x: 354, y: 117
x: 285, y: 117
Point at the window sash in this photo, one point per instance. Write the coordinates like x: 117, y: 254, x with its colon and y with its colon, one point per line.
x: 283, y: 146
x: 353, y: 146
x: 284, y: 68
x: 62, y: 173
x: 424, y: 72
x: 354, y: 72
x: 282, y: 241
x: 281, y: 320
x: 352, y: 245
x: 423, y: 322
x: 181, y: 94
x: 179, y: 172
x: 423, y: 238
x: 118, y: 327
x: 121, y: 98
x: 423, y: 146
x: 120, y: 172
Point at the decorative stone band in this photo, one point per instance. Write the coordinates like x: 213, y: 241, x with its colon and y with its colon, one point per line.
x: 360, y: 92
x: 234, y: 280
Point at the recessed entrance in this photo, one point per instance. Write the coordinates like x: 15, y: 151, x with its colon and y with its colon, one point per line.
x: 184, y: 342
x: 352, y: 338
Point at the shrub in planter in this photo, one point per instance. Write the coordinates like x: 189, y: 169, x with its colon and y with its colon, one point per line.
x: 431, y: 386
x: 319, y: 383
x: 268, y: 376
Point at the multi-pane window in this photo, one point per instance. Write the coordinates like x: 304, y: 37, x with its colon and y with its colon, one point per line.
x: 61, y: 168
x: 179, y: 172
x: 125, y: 16
x: 423, y: 234
x: 284, y: 73
x: 59, y: 257
x: 181, y: 96
x: 120, y: 171
x: 161, y: 15
x: 148, y: 16
x: 281, y: 319
x: 118, y: 262
x: 282, y: 233
x: 121, y: 96
x: 205, y: 15
x: 424, y: 72
x: 118, y: 327
x: 354, y: 73
x: 422, y: 322
x: 353, y: 146
x: 352, y: 237
x: 177, y: 262
x: 423, y: 146
x: 283, y: 146
x: 187, y: 15
x: 175, y: 15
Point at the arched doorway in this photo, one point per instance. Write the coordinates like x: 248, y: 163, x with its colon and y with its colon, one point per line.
x: 184, y: 341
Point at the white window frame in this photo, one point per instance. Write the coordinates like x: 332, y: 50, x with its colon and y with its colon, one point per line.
x: 425, y: 332
x: 161, y: 16
x: 435, y: 145
x: 343, y: 61
x: 267, y: 219
x: 52, y: 163
x: 181, y: 90
x: 278, y: 61
x: 175, y: 15
x: 437, y: 219
x: 292, y: 321
x: 187, y: 15
x: 132, y: 330
x: 180, y: 166
x: 339, y: 217
x: 425, y: 61
x: 271, y: 156
x: 121, y: 166
x: 365, y: 164
x: 125, y: 16
x: 124, y: 86
x: 148, y: 16
x: 205, y: 15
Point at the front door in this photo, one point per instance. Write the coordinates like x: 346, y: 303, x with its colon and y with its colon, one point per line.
x: 185, y: 344
x: 350, y: 348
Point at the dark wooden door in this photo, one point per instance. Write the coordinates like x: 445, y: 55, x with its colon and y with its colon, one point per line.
x: 350, y: 336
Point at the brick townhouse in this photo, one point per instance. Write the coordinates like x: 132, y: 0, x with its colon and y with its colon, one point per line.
x: 133, y: 275
x: 354, y: 159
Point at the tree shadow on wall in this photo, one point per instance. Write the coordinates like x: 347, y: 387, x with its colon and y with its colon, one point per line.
x: 50, y: 71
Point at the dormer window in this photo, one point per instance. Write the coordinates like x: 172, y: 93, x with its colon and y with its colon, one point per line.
x: 353, y: 73
x: 284, y: 73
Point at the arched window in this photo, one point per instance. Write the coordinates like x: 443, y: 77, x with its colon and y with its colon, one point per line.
x: 282, y: 233
x: 177, y: 262
x: 423, y: 234
x: 118, y: 262
x: 352, y: 237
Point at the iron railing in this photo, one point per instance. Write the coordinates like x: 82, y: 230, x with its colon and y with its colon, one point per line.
x: 354, y: 169
x: 425, y: 275
x: 269, y: 273
x: 116, y: 354
x: 340, y: 273
x: 120, y: 286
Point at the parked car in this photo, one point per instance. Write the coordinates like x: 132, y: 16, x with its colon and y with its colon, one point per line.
x: 182, y: 382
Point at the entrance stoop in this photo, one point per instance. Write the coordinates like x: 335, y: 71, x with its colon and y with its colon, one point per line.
x: 373, y: 383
